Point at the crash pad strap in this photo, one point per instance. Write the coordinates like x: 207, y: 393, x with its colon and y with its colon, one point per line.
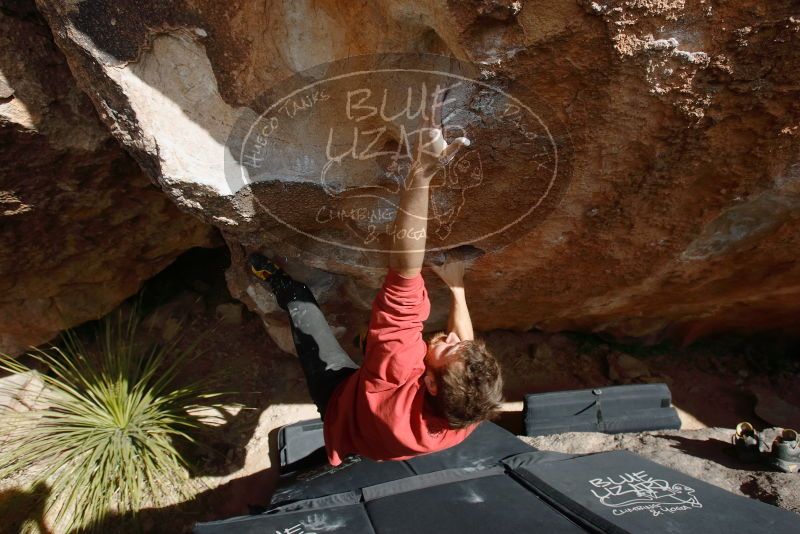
x: 387, y: 489
x: 328, y: 501
x: 427, y: 480
x: 571, y: 509
x: 598, y: 408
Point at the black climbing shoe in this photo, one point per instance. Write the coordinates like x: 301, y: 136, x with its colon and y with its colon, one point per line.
x: 785, y: 453
x: 747, y: 443
x: 275, y: 278
x: 263, y: 267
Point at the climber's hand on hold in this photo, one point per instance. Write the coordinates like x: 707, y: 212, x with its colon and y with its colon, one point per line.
x: 433, y: 150
x: 451, y: 273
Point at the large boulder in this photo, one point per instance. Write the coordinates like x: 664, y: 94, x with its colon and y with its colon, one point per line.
x: 656, y: 146
x: 80, y: 225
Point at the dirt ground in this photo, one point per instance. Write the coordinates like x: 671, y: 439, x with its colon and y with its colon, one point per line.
x: 716, y: 384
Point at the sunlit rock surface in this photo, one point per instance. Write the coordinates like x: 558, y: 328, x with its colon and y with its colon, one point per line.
x: 675, y: 126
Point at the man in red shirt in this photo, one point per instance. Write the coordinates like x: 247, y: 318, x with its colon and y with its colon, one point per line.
x: 409, y: 397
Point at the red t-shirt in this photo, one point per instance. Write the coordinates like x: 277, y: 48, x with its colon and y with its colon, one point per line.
x: 381, y: 411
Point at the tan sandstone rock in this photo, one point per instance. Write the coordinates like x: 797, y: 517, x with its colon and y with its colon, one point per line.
x: 675, y: 126
x: 80, y: 225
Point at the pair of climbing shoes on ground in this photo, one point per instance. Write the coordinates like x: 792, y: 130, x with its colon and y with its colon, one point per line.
x: 752, y: 447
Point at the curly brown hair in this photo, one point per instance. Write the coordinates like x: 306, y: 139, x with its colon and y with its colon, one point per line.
x: 470, y: 389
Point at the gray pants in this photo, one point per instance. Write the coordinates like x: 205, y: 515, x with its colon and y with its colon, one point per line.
x: 324, y: 361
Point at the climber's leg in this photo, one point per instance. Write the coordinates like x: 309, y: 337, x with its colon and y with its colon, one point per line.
x: 325, y: 364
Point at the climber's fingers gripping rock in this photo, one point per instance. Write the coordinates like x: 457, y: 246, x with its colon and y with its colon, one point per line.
x: 434, y: 150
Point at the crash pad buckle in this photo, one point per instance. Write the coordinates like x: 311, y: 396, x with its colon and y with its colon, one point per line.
x: 597, y: 392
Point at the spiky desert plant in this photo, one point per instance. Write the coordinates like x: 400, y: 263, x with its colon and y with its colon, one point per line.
x: 104, y: 431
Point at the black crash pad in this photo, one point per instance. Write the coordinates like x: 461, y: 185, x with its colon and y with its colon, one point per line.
x: 350, y: 519
x: 485, y: 447
x: 621, y: 492
x: 492, y: 504
x: 493, y: 482
x: 612, y: 409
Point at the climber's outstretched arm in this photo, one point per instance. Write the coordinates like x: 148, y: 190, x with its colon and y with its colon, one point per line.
x: 411, y: 224
x: 459, y: 321
x: 410, y: 229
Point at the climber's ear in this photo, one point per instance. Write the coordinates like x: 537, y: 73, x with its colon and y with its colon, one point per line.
x: 430, y: 383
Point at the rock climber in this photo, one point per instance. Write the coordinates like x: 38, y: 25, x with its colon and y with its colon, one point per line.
x: 409, y: 397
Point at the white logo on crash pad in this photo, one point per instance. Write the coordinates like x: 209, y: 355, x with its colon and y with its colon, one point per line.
x: 639, y: 492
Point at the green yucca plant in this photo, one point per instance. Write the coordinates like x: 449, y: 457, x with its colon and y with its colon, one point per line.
x: 104, y: 431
